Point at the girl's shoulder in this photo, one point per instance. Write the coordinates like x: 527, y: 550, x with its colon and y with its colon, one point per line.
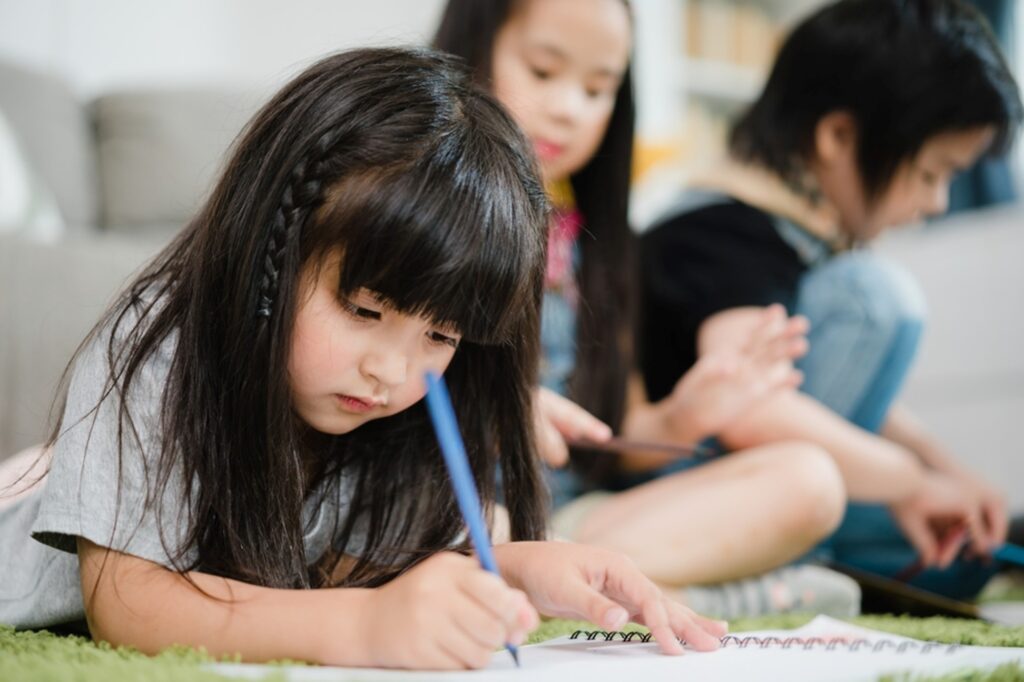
x: 97, y: 372
x: 710, y: 216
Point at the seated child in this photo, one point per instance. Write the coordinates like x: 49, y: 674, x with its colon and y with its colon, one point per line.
x: 871, y: 108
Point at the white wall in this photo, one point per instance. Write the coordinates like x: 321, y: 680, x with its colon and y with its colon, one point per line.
x: 103, y: 45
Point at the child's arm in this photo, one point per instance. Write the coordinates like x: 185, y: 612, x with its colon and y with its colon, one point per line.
x: 924, y: 493
x: 874, y: 469
x: 446, y: 613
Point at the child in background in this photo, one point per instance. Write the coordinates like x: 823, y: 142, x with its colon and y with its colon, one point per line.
x: 871, y: 108
x: 562, y: 67
x: 246, y: 424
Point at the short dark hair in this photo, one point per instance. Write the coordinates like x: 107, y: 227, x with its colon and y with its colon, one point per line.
x: 907, y: 70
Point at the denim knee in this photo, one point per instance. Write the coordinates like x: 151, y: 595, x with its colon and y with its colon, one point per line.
x: 866, y: 316
x: 881, y: 293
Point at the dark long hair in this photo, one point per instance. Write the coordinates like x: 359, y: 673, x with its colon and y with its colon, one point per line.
x: 607, y: 277
x: 906, y: 69
x: 425, y: 185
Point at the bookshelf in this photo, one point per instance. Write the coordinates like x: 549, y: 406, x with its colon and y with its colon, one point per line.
x: 698, y: 63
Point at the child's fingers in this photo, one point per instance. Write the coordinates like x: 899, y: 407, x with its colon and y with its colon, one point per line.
x: 976, y: 535
x: 763, y: 379
x: 771, y: 325
x: 950, y: 546
x: 571, y: 420
x: 551, y: 445
x: 798, y: 347
x: 588, y: 603
x: 774, y: 313
x: 798, y: 324
x: 436, y: 656
x: 997, y: 522
x: 479, y: 628
x: 465, y: 646
x: 782, y: 346
x: 717, y: 628
x: 526, y: 622
x: 666, y: 630
x: 920, y: 536
x: 703, y: 634
x: 490, y: 593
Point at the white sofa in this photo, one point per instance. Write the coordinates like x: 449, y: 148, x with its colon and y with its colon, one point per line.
x: 126, y: 171
x: 968, y: 382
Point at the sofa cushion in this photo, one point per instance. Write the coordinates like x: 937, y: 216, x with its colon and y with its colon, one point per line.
x: 51, y: 294
x: 26, y: 204
x: 54, y: 132
x: 159, y: 152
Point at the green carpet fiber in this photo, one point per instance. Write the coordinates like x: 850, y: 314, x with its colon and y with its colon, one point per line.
x: 42, y: 656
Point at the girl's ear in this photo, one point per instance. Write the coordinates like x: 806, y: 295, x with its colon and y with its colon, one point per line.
x: 835, y: 138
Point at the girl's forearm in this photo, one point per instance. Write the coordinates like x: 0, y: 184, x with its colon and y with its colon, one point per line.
x: 873, y: 468
x: 901, y: 427
x: 143, y: 605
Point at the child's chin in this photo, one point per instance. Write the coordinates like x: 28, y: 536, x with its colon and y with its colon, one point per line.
x: 333, y: 425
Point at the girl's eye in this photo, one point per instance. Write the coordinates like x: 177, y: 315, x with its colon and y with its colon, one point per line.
x: 602, y: 88
x: 359, y: 312
x: 540, y: 74
x: 443, y: 339
x: 928, y: 177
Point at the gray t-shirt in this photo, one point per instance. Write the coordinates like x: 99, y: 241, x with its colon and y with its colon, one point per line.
x: 81, y: 497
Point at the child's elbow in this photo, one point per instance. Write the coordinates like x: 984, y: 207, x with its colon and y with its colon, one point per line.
x: 111, y: 596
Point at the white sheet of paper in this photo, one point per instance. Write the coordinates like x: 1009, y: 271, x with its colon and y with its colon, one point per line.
x: 599, y: 661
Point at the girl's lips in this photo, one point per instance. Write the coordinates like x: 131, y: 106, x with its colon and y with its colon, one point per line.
x: 547, y: 150
x: 353, y: 404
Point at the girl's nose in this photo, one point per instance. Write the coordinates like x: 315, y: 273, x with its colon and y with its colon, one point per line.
x: 565, y: 102
x: 390, y: 368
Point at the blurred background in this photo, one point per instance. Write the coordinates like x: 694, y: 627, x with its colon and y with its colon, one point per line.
x: 114, y: 115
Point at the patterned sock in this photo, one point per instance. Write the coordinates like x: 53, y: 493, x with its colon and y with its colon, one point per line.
x: 803, y: 588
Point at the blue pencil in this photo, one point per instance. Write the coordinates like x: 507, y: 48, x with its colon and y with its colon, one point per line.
x: 442, y: 414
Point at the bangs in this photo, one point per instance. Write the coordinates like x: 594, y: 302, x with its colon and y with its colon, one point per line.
x: 429, y: 241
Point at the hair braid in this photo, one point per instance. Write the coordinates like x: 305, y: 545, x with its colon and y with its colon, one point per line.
x: 301, y: 194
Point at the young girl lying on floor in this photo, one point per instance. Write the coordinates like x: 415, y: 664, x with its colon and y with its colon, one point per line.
x: 244, y: 461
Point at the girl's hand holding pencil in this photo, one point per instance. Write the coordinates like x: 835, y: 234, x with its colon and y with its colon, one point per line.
x: 444, y: 614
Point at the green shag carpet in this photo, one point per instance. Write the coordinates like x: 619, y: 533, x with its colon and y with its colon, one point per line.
x: 45, y: 657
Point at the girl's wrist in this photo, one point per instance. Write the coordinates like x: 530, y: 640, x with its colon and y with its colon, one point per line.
x: 917, y: 475
x: 669, y: 423
x: 346, y: 640
x: 507, y: 556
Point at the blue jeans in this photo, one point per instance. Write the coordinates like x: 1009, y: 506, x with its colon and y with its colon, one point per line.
x: 867, y: 316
